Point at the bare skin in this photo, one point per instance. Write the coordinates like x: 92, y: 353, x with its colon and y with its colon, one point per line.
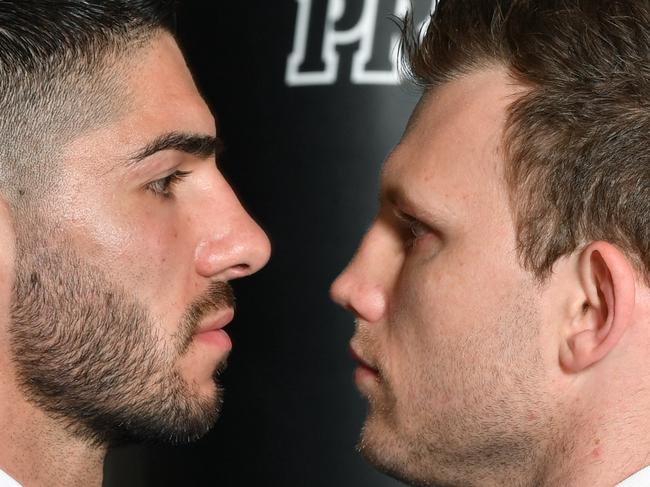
x: 476, y: 373
x: 165, y: 250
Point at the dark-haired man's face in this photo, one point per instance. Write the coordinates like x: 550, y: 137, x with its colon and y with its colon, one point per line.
x: 120, y: 293
x: 450, y: 336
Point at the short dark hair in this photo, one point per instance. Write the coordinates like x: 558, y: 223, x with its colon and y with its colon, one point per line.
x: 577, y: 141
x: 57, y: 78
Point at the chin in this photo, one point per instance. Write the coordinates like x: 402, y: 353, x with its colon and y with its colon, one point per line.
x: 387, y: 452
x: 177, y: 415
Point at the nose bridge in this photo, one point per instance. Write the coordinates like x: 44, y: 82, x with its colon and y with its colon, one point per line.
x: 364, y: 285
x: 230, y: 243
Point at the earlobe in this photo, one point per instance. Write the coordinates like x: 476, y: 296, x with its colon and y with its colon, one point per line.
x: 607, y: 287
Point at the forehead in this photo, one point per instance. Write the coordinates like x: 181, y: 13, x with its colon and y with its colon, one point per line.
x: 163, y: 90
x: 157, y: 96
x: 450, y: 157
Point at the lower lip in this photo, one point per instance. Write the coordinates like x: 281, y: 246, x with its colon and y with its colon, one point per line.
x: 364, y: 375
x: 217, y: 338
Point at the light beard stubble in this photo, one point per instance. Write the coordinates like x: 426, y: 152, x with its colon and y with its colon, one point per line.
x: 488, y: 431
x: 91, y: 355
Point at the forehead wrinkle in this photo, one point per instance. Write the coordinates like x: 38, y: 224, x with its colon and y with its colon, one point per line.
x: 402, y: 185
x: 429, y: 209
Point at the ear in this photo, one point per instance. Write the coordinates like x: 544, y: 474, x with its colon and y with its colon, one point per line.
x: 607, y: 295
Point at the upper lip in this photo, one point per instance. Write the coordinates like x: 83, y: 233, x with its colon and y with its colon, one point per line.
x: 217, y: 321
x: 357, y: 357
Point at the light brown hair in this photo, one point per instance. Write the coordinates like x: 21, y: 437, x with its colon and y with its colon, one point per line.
x: 577, y: 141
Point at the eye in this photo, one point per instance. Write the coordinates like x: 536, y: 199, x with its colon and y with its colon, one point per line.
x: 413, y: 229
x: 164, y: 186
x: 417, y: 229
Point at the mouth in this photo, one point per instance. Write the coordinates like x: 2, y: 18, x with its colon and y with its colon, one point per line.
x: 211, y: 330
x: 365, y: 373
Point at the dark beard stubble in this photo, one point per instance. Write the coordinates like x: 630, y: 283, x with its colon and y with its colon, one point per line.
x: 91, y: 355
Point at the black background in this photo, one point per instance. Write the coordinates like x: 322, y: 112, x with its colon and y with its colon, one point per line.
x: 305, y: 162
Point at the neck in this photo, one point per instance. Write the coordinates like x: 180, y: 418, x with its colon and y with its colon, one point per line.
x: 603, y: 460
x: 609, y: 441
x: 602, y: 438
x: 37, y: 451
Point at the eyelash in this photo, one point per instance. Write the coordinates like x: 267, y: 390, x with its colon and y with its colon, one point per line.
x: 164, y: 186
x: 415, y: 228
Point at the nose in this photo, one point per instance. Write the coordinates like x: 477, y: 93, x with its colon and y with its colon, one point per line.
x: 233, y: 245
x: 362, y: 287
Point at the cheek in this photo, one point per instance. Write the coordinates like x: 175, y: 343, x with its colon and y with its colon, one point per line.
x: 448, y: 305
x: 160, y: 257
x: 144, y: 241
x: 437, y: 297
x: 158, y: 241
x: 458, y: 288
x: 146, y: 251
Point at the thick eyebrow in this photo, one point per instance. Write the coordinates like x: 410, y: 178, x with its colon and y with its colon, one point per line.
x: 201, y: 146
x: 397, y: 197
